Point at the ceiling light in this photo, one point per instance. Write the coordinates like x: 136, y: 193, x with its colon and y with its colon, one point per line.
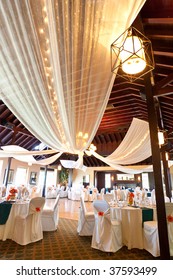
x: 131, y: 55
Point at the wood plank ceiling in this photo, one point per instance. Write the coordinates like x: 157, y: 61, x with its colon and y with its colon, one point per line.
x: 127, y: 100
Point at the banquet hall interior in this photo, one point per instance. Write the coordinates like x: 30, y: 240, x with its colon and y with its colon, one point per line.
x: 86, y: 130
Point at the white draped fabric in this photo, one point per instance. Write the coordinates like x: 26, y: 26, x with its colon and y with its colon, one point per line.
x: 134, y: 148
x: 72, y: 164
x: 22, y: 154
x: 55, y: 71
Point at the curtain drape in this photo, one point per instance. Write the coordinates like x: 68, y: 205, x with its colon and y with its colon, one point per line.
x: 55, y: 71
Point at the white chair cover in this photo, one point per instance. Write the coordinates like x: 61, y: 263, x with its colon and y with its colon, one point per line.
x: 64, y: 192
x: 85, y: 194
x: 107, y: 235
x: 114, y: 192
x: 28, y: 229
x: 101, y: 206
x: 108, y: 197
x: 166, y: 198
x: 74, y: 193
x: 102, y: 193
x: 120, y: 194
x: 86, y: 220
x: 50, y: 214
x: 132, y: 227
x: 92, y: 194
x: 49, y: 192
x: 151, y: 237
x: 35, y: 192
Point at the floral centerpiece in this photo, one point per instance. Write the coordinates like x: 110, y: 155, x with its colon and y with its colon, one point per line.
x: 12, y: 194
x: 130, y: 198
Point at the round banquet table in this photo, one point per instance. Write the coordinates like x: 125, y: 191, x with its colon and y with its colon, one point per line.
x: 19, y: 208
x: 132, y: 224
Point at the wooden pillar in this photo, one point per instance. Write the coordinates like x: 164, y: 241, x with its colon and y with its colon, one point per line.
x: 166, y: 171
x: 7, y: 172
x: 44, y: 184
x: 161, y: 213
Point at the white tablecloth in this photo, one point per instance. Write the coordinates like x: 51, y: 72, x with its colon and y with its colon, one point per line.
x: 17, y: 209
x: 131, y: 221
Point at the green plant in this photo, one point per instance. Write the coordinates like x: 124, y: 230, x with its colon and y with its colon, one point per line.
x: 63, y: 176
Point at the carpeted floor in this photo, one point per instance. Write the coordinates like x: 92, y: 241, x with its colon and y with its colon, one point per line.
x: 65, y: 244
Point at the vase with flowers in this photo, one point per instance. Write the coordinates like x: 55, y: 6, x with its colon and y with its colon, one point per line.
x: 12, y: 194
x: 130, y: 198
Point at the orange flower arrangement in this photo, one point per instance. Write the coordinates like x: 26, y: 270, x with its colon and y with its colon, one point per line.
x: 130, y: 198
x: 12, y: 194
x: 170, y: 219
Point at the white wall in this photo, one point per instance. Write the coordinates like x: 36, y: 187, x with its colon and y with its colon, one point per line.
x: 16, y: 164
x: 78, y: 174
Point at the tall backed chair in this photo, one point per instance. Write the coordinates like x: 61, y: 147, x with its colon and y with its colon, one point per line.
x: 108, y: 197
x: 107, y: 234
x: 86, y: 220
x: 50, y: 214
x: 35, y: 192
x: 150, y: 233
x: 28, y: 228
x: 85, y: 194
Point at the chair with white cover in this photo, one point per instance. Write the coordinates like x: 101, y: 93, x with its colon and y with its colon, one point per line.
x: 49, y: 191
x: 108, y: 197
x: 35, y: 192
x: 85, y: 194
x: 50, y: 214
x: 132, y: 231
x: 151, y: 238
x: 101, y: 194
x: 150, y: 233
x: 86, y: 220
x: 28, y: 228
x: 107, y: 235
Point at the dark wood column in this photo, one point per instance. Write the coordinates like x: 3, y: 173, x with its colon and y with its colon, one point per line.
x: 7, y: 172
x: 44, y: 185
x: 161, y: 213
x: 166, y: 170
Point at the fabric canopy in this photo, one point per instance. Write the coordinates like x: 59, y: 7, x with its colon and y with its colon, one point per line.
x: 55, y: 71
x: 135, y: 146
x: 24, y: 155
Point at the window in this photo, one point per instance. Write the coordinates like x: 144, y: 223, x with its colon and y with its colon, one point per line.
x: 10, y: 176
x: 20, y: 176
x: 125, y: 177
x: 50, y: 177
x: 108, y: 181
x: 145, y: 181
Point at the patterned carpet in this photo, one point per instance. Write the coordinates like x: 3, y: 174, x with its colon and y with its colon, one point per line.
x: 65, y: 244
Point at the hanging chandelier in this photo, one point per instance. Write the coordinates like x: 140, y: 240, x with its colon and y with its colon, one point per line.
x: 131, y: 55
